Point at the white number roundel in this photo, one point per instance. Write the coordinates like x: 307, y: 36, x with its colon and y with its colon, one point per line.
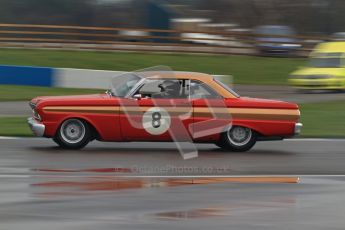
x: 156, y: 121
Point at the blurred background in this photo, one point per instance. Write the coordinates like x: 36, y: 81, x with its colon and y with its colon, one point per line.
x: 235, y: 25
x: 290, y: 50
x: 322, y: 17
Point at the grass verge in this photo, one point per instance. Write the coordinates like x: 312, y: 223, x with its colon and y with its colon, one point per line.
x: 319, y: 120
x: 14, y: 126
x: 323, y: 119
x: 245, y: 69
x: 26, y: 93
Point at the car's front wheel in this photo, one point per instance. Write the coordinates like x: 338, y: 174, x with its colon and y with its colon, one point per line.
x: 73, y: 134
x: 238, y: 139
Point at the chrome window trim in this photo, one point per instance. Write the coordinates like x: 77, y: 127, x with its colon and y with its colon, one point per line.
x: 188, y: 80
x: 135, y: 88
x: 143, y: 81
x: 221, y: 84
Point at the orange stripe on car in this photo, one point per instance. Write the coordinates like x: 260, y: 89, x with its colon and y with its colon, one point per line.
x: 235, y: 113
x: 83, y: 109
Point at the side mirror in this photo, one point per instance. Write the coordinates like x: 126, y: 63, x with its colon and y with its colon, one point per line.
x: 137, y: 96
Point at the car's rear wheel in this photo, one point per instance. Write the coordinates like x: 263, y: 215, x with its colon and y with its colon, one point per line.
x: 238, y: 139
x: 73, y: 134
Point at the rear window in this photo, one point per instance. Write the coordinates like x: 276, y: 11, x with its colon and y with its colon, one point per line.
x: 227, y: 87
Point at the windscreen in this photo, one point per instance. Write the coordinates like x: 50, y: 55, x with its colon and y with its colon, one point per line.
x: 326, y: 60
x: 121, y: 85
x: 274, y: 30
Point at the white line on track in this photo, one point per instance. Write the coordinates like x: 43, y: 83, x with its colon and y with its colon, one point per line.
x: 315, y: 139
x: 10, y: 138
x: 15, y: 176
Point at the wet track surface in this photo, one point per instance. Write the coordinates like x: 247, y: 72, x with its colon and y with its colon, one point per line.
x: 43, y: 203
x: 288, y: 157
x: 106, y: 186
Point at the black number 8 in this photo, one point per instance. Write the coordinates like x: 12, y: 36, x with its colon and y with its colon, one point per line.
x: 156, y: 119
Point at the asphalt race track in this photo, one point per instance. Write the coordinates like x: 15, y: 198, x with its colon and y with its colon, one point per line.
x: 288, y: 157
x: 137, y: 186
x: 314, y: 203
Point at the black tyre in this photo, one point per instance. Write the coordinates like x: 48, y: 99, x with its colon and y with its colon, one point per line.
x: 73, y: 134
x: 237, y: 139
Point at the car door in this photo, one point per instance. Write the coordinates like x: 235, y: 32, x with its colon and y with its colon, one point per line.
x: 159, y: 110
x: 210, y: 113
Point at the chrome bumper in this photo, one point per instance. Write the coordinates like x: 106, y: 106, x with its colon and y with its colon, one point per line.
x: 298, y: 128
x: 36, y: 127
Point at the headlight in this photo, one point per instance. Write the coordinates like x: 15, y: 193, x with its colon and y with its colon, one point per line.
x: 36, y: 115
x: 34, y: 111
x: 32, y: 105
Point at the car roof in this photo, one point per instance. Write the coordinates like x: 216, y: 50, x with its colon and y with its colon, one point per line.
x: 177, y: 75
x: 330, y: 47
x: 206, y: 78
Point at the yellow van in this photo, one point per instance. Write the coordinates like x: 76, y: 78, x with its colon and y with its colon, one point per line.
x: 325, y: 70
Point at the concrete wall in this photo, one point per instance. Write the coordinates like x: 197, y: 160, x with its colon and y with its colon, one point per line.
x: 84, y: 78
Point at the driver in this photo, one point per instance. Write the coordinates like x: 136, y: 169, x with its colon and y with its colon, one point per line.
x: 170, y: 89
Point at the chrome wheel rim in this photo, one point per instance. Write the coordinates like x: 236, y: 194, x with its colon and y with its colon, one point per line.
x: 239, y: 136
x: 72, y: 131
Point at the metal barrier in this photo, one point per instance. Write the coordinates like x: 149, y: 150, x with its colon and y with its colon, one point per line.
x: 109, y: 38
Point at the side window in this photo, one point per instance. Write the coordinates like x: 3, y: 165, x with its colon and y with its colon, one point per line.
x: 150, y: 88
x: 201, y: 90
x: 164, y: 88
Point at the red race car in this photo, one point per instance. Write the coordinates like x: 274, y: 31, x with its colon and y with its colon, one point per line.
x: 176, y: 106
